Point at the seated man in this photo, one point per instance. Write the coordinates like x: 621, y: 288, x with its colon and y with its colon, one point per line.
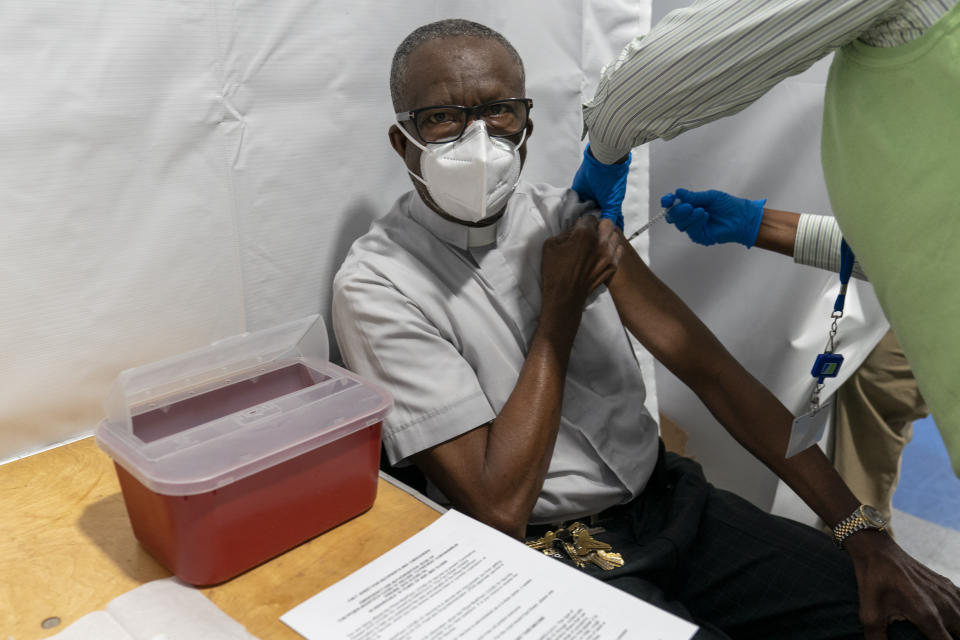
x: 477, y: 301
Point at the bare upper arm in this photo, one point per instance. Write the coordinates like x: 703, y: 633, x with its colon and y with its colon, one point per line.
x: 662, y: 322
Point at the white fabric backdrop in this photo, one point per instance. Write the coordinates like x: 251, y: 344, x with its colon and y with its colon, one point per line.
x: 176, y: 172
x: 772, y: 314
x: 173, y: 173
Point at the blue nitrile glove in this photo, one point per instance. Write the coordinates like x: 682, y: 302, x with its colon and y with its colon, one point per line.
x: 712, y: 217
x: 605, y: 184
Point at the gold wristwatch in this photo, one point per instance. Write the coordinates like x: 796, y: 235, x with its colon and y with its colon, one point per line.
x: 865, y: 517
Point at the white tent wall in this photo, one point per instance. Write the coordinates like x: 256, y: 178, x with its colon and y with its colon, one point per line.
x: 770, y: 313
x: 173, y: 173
x: 176, y: 172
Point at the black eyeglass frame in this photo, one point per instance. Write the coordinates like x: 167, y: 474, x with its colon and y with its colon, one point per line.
x: 411, y: 116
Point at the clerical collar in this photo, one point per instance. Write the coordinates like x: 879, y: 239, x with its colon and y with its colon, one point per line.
x: 459, y: 235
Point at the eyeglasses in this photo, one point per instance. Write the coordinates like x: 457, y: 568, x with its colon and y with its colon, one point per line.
x: 447, y: 122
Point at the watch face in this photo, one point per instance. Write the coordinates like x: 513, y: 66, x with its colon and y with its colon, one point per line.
x: 872, y: 516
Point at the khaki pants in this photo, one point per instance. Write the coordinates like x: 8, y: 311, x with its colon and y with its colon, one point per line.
x: 875, y: 410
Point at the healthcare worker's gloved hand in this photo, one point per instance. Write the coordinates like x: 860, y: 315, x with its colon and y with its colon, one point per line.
x: 605, y: 184
x: 712, y: 217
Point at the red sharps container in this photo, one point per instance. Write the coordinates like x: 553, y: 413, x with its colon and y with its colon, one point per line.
x: 231, y: 454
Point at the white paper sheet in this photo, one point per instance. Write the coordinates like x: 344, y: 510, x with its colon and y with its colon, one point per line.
x: 160, y: 609
x: 461, y: 579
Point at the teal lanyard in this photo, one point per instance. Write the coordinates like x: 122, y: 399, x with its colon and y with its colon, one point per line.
x: 827, y: 364
x: 846, y: 269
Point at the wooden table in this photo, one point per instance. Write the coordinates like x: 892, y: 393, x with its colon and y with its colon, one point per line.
x: 66, y: 548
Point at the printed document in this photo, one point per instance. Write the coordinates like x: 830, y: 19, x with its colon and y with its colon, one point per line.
x: 460, y: 579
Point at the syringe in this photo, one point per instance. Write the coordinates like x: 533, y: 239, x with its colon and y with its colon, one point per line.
x: 666, y: 202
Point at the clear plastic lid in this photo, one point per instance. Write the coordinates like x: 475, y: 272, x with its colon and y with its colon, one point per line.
x: 204, y: 419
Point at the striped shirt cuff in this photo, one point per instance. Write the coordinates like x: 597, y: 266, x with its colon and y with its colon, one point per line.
x: 818, y: 244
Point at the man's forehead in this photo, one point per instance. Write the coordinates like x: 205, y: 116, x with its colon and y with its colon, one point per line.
x: 450, y: 45
x: 461, y: 64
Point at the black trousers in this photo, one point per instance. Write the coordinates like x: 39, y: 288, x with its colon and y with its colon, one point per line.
x: 714, y: 559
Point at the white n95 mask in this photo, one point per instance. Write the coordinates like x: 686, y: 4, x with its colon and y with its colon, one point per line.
x: 470, y: 178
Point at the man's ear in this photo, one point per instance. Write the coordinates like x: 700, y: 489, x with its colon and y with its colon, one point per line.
x: 529, y: 127
x: 398, y: 141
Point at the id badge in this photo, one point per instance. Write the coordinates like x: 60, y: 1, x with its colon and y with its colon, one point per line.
x: 808, y: 429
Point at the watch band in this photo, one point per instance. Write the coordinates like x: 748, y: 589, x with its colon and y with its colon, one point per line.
x: 858, y: 521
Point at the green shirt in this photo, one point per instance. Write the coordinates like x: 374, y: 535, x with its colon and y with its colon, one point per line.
x: 891, y: 135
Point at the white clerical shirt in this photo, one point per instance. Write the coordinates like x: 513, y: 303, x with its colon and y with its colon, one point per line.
x: 442, y: 317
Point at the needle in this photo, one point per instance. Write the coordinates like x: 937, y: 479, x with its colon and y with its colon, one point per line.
x: 656, y: 218
x: 666, y: 202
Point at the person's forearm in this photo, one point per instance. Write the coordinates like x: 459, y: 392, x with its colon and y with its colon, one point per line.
x: 495, y: 472
x: 778, y: 231
x: 711, y: 60
x: 520, y: 440
x: 760, y: 422
x: 677, y: 338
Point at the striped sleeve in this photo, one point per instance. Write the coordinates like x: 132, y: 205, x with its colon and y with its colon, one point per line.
x: 818, y: 244
x: 906, y: 23
x: 713, y: 59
